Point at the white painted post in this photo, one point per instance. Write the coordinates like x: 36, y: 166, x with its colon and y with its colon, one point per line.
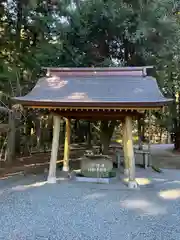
x: 54, y: 151
x: 126, y: 166
x: 67, y: 146
x: 130, y: 153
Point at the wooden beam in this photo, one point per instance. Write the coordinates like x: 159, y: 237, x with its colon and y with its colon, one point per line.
x: 54, y: 151
x: 67, y: 146
x: 98, y: 115
x: 126, y: 163
x: 100, y: 107
x: 130, y: 153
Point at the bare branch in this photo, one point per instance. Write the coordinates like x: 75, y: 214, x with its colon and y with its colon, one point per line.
x: 98, y: 129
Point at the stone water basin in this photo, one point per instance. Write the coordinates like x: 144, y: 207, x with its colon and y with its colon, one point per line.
x: 98, y: 166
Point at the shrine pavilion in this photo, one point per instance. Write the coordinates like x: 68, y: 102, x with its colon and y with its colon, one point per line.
x: 95, y: 94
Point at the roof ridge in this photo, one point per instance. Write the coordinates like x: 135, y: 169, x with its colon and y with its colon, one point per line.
x: 140, y: 71
x: 99, y: 69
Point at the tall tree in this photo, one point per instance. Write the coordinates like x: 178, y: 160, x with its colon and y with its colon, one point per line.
x: 36, y: 33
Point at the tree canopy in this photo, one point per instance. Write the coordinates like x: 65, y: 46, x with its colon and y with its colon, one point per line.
x: 35, y: 33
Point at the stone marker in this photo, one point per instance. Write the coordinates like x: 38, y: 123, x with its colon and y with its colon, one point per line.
x: 96, y: 166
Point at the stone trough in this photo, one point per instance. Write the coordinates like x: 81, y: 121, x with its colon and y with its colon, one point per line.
x: 96, y: 169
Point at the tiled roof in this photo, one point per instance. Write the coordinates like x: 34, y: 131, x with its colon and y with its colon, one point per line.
x: 95, y: 88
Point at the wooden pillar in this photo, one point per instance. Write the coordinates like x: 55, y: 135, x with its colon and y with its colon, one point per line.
x: 67, y: 146
x: 130, y: 153
x: 54, y: 150
x: 126, y: 167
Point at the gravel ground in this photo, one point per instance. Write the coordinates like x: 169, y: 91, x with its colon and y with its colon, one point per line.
x: 31, y: 209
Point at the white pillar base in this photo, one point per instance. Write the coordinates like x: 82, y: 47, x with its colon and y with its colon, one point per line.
x: 133, y: 184
x: 51, y: 180
x: 65, y: 169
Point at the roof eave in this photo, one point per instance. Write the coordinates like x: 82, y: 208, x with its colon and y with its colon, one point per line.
x: 49, y: 104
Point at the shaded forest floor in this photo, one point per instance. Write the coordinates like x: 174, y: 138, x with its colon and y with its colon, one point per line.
x: 162, y: 156
x: 39, y: 162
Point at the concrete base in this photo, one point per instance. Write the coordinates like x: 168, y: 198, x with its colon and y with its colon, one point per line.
x: 95, y: 180
x: 51, y: 180
x: 133, y: 185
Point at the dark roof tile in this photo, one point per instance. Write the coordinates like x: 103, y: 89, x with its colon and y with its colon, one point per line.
x: 119, y: 90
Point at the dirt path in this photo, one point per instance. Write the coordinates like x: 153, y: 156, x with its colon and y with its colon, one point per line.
x: 163, y: 156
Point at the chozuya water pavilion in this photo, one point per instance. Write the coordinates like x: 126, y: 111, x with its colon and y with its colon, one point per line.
x: 95, y: 94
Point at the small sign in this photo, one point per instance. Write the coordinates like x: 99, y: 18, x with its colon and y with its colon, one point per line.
x: 97, y: 168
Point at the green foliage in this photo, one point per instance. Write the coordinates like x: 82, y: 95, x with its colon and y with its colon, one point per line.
x: 36, y: 33
x: 85, y: 33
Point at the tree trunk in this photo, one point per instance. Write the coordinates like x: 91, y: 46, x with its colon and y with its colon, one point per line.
x: 176, y: 128
x: 19, y: 17
x: 177, y: 141
x: 37, y: 122
x: 143, y: 131
x: 26, y: 143
x: 161, y: 133
x: 62, y: 132
x: 177, y: 134
x: 80, y: 132
x: 140, y: 134
x: 105, y: 143
x: 106, y: 132
x: 17, y: 118
x: 11, y: 138
x: 89, y: 134
x: 49, y: 133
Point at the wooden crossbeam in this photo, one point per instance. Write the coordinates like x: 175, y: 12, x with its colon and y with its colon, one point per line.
x: 97, y: 115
